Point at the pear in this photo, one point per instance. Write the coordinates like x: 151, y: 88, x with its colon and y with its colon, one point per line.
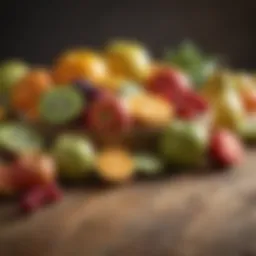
x: 215, y: 85
x: 225, y: 101
x: 228, y: 110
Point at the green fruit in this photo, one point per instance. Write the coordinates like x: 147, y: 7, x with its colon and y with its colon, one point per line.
x: 148, y: 164
x: 10, y: 73
x: 17, y: 138
x: 74, y: 155
x: 61, y: 105
x: 184, y: 143
x: 247, y: 130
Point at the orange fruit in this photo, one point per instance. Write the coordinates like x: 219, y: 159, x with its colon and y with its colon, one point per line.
x: 115, y: 165
x: 249, y: 101
x: 150, y: 110
x: 27, y: 92
x: 79, y: 64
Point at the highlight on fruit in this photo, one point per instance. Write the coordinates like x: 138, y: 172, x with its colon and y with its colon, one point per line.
x: 117, y: 114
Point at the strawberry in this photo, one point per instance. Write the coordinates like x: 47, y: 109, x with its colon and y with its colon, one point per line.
x: 39, y: 196
x: 226, y: 149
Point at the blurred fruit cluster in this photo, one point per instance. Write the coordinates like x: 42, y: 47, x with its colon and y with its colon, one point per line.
x: 117, y: 114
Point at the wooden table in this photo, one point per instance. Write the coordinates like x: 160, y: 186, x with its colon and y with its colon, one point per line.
x: 201, y: 215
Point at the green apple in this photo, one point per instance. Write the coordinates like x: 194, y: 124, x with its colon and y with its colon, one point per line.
x: 184, y: 143
x: 74, y: 155
x: 11, y: 72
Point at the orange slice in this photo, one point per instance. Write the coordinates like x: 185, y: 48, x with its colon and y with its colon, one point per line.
x: 150, y: 110
x: 115, y: 165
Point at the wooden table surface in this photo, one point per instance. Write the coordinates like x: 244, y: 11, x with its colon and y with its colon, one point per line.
x: 200, y: 215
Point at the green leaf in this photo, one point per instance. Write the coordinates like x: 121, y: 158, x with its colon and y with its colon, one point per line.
x: 191, y: 60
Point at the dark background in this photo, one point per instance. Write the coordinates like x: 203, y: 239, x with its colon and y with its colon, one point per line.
x: 38, y: 30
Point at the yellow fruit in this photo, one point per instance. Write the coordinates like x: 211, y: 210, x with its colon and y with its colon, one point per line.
x: 115, y: 165
x: 128, y: 59
x: 111, y: 83
x: 225, y: 100
x: 150, y: 110
x: 79, y: 64
x: 228, y: 110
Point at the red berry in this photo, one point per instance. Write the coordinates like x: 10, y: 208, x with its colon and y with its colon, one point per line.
x: 226, y: 149
x: 53, y: 193
x: 38, y: 196
x: 33, y: 199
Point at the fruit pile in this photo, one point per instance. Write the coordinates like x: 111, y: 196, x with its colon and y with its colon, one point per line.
x: 116, y: 114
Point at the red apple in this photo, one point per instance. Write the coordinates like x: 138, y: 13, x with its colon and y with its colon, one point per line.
x: 226, y: 149
x: 191, y: 106
x: 32, y: 169
x: 169, y: 83
x: 108, y: 116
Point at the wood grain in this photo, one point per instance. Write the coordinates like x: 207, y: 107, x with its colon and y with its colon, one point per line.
x: 200, y: 215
